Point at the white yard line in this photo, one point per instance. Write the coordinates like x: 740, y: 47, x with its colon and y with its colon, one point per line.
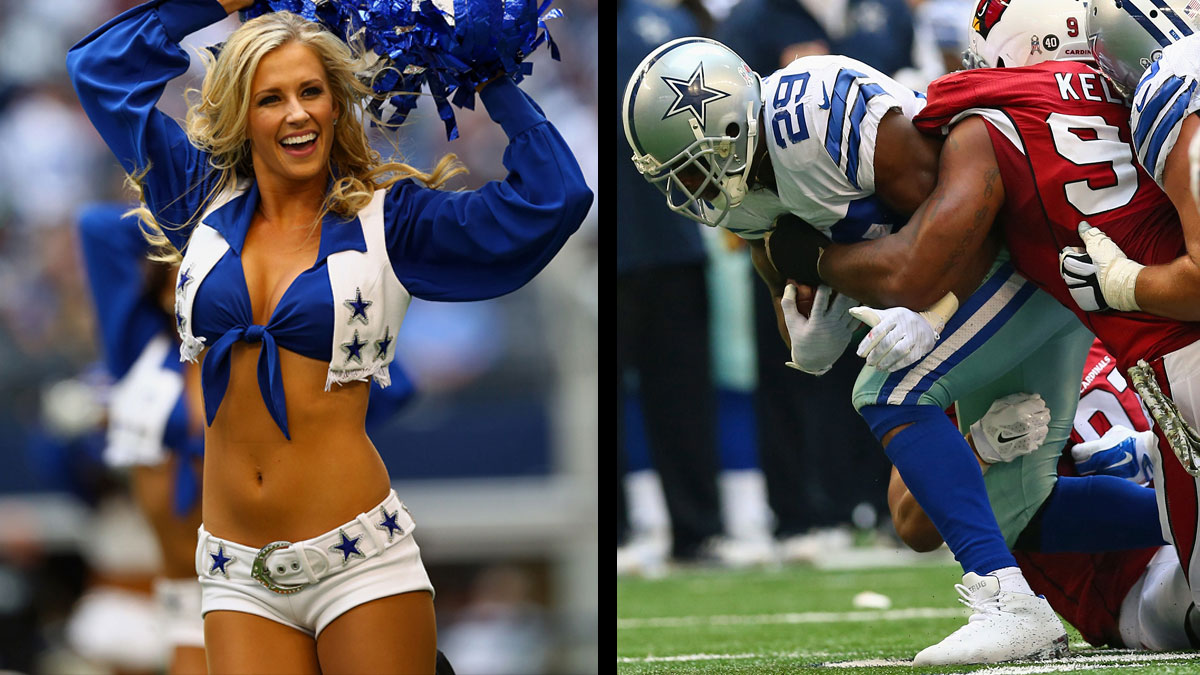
x: 1114, y: 659
x: 1092, y: 662
x: 703, y: 657
x: 793, y: 617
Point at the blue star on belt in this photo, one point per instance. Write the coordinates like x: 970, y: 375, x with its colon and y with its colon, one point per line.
x: 358, y: 307
x: 382, y: 344
x: 348, y: 547
x: 691, y: 94
x: 389, y: 523
x: 354, y: 349
x: 220, y: 560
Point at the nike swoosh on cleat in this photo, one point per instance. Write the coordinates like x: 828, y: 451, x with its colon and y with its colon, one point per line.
x: 1005, y: 439
x: 1128, y: 459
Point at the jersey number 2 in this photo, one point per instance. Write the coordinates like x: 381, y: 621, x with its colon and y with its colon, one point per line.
x: 1105, y: 148
x: 781, y: 123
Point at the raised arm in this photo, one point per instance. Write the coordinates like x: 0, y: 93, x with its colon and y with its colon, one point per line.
x: 490, y: 241
x: 945, y: 247
x: 119, y: 72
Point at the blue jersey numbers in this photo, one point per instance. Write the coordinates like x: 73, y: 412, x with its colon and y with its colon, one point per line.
x: 787, y: 122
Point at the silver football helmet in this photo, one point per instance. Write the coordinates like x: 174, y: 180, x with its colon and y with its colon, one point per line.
x: 1126, y: 36
x: 1014, y: 33
x: 691, y: 116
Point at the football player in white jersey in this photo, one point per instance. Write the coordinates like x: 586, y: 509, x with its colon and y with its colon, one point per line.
x: 1150, y: 50
x: 828, y: 140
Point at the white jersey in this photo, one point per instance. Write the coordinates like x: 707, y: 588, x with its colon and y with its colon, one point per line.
x: 820, y: 120
x: 1165, y: 96
x: 821, y: 115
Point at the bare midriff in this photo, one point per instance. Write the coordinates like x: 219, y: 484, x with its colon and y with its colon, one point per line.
x: 259, y: 487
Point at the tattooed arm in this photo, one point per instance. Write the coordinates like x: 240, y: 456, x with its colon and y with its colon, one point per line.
x: 947, y: 245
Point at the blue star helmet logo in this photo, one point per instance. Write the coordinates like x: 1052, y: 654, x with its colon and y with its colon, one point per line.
x: 691, y: 95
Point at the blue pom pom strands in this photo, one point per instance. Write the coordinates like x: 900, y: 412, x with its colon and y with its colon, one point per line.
x: 450, y: 46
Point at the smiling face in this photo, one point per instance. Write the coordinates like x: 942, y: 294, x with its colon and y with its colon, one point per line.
x: 291, y: 117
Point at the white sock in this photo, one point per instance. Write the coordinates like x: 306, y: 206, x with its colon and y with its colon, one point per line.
x: 1012, y: 580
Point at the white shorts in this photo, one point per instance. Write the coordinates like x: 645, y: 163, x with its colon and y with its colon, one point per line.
x: 373, y: 556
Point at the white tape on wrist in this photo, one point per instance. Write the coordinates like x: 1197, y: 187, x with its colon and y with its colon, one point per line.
x: 1122, y: 284
x: 940, y: 312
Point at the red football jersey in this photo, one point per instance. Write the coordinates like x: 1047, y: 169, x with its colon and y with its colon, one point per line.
x: 1086, y: 589
x: 1106, y: 400
x: 1061, y: 138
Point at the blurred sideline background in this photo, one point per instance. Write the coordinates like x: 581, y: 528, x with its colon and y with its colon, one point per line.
x: 783, y: 470
x: 497, y: 458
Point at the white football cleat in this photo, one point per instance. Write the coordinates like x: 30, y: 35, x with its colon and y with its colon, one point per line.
x: 1005, y: 626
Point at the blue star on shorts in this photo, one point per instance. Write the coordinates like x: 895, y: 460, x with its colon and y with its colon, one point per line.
x: 389, y: 523
x: 348, y: 547
x: 220, y: 560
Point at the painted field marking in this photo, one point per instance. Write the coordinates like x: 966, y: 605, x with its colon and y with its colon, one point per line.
x: 1117, y: 659
x: 793, y: 617
x: 710, y: 657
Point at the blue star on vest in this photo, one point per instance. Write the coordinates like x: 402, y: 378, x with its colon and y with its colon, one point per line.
x: 220, y: 560
x: 691, y: 94
x: 184, y: 279
x: 348, y: 547
x: 354, y: 349
x: 382, y: 345
x: 389, y: 523
x: 358, y: 307
x: 180, y: 322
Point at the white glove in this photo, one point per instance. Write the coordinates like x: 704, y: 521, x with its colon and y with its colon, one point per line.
x: 1076, y: 268
x: 1120, y: 452
x: 1015, y: 425
x: 819, y: 339
x: 1116, y: 272
x: 900, y: 337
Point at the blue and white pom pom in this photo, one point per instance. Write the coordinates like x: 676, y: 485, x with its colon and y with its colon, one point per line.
x: 451, y: 46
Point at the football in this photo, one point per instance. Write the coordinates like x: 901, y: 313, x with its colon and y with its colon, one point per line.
x: 794, y: 246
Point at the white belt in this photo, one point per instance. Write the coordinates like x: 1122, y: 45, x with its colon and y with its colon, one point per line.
x: 286, y: 567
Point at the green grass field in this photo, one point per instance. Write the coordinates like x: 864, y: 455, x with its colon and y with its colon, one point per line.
x: 800, y: 619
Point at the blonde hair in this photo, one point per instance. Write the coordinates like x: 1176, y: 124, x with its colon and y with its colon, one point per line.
x: 217, y: 123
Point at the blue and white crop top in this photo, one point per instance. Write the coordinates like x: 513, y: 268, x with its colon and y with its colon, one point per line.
x: 148, y: 411
x: 410, y: 241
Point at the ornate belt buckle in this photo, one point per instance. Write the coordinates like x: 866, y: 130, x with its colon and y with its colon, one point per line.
x: 260, y: 573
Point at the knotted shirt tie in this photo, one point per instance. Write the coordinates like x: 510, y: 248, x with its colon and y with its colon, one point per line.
x: 270, y: 380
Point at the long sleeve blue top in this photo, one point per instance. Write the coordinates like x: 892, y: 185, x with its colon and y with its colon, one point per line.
x: 450, y: 246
